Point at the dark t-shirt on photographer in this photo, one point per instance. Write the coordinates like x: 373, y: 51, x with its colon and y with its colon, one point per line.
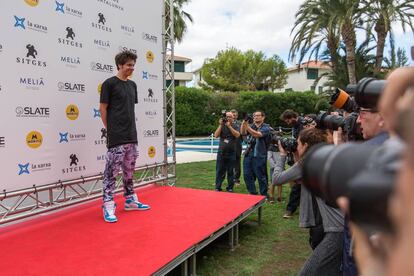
x: 121, y: 97
x: 227, y: 140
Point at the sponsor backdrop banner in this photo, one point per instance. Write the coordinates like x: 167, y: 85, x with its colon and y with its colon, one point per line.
x: 54, y: 55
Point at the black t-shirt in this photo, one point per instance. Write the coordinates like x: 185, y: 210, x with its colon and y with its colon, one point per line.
x: 227, y: 140
x: 121, y: 97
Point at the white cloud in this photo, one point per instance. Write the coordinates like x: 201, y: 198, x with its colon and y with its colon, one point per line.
x: 261, y: 25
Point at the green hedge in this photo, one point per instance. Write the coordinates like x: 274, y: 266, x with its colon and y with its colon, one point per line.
x: 198, y: 111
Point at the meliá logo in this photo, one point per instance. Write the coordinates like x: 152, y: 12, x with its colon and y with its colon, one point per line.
x: 100, y: 67
x: 148, y: 76
x: 2, y: 142
x: 32, y: 83
x: 34, y: 139
x: 101, y: 23
x: 112, y: 3
x: 72, y: 62
x: 72, y: 112
x: 102, y: 44
x: 70, y: 38
x: 129, y: 30
x: 124, y: 48
x: 71, y: 87
x: 150, y: 98
x: 32, y: 112
x: 23, y: 24
x: 149, y: 37
x: 31, y: 57
x: 151, y: 133
x: 63, y: 9
x: 151, y: 114
x: 74, y: 165
x: 66, y: 137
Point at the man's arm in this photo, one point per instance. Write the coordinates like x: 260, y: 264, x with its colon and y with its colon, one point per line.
x: 103, y: 109
x: 232, y: 130
x: 218, y: 130
x: 254, y: 133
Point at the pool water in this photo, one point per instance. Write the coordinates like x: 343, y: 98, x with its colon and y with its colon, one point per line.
x: 198, y: 145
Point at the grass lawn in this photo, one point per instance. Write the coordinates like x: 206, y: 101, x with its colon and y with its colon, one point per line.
x: 277, y: 247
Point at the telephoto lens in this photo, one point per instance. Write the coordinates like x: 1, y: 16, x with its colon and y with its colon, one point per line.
x: 367, y: 92
x: 342, y: 100
x: 332, y: 122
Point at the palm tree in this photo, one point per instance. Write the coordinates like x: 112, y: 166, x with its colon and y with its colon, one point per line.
x: 383, y: 13
x: 180, y: 17
x: 314, y: 29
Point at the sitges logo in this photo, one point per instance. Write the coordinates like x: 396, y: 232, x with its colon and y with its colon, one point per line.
x: 72, y: 62
x: 101, y: 139
x: 34, y: 139
x: 124, y: 48
x: 129, y: 30
x: 1, y: 48
x: 102, y: 44
x: 100, y: 67
x: 151, y: 133
x: 72, y: 112
x: 150, y: 98
x: 149, y: 37
x: 112, y: 3
x: 23, y: 23
x: 31, y: 57
x: 71, y: 87
x: 70, y: 38
x: 2, y: 142
x: 32, y: 83
x: 62, y: 8
x: 32, y: 112
x: 74, y: 165
x: 101, y: 23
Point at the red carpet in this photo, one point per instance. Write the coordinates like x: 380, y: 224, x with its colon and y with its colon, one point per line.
x: 78, y: 242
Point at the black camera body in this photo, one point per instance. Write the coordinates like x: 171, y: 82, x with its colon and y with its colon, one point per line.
x: 223, y: 116
x: 247, y: 117
x: 348, y: 124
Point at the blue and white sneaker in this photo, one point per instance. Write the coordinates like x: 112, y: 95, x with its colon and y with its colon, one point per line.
x: 132, y: 203
x: 109, y: 211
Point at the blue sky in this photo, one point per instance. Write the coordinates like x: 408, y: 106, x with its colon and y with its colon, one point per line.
x: 261, y: 25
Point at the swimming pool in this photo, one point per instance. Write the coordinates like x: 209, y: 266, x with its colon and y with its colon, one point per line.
x: 198, y: 145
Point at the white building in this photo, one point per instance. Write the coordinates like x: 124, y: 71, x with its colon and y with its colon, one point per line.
x: 181, y: 77
x: 302, y: 78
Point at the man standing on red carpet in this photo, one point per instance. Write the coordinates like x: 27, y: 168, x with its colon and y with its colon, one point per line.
x: 117, y: 106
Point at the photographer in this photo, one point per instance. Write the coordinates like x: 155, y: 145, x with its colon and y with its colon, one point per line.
x: 226, y: 154
x: 292, y: 119
x: 239, y: 142
x: 325, y: 223
x: 255, y: 156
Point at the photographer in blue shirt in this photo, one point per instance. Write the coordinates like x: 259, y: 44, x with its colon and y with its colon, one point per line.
x: 255, y: 156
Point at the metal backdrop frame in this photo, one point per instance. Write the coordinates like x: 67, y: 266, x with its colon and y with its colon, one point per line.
x: 20, y: 204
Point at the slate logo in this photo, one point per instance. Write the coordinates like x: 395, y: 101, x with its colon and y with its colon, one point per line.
x: 96, y: 113
x: 31, y: 57
x: 150, y: 56
x: 69, y: 38
x: 24, y: 168
x: 151, y: 133
x: 72, y: 62
x: 112, y: 3
x: 103, y: 138
x: 32, y: 83
x: 102, y: 44
x: 61, y: 8
x: 100, y: 67
x: 32, y: 112
x: 151, y: 152
x: 71, y: 87
x: 151, y: 114
x: 148, y: 76
x: 32, y: 3
x: 22, y: 23
x: 72, y: 112
x: 129, y: 30
x: 66, y: 137
x: 34, y: 139
x: 123, y: 48
x: 150, y: 98
x: 73, y: 165
x: 149, y: 37
x: 101, y: 25
x: 2, y: 142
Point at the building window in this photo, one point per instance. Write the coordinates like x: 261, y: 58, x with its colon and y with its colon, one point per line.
x: 288, y: 90
x: 320, y: 89
x: 179, y: 66
x: 176, y: 83
x: 312, y: 74
x: 312, y: 88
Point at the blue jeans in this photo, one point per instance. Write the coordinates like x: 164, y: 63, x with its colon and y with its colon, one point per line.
x: 255, y: 167
x: 225, y: 163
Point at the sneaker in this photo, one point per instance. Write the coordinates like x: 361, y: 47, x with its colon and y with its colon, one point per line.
x: 109, y: 211
x: 271, y: 199
x: 132, y: 203
x: 237, y: 182
x: 287, y: 215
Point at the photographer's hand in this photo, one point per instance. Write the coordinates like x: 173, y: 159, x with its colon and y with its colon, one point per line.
x: 337, y: 136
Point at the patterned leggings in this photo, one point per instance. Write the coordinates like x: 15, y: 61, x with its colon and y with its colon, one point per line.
x: 120, y: 156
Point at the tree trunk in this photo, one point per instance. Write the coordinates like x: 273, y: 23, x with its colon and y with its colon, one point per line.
x: 349, y: 37
x: 333, y: 44
x: 381, y: 31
